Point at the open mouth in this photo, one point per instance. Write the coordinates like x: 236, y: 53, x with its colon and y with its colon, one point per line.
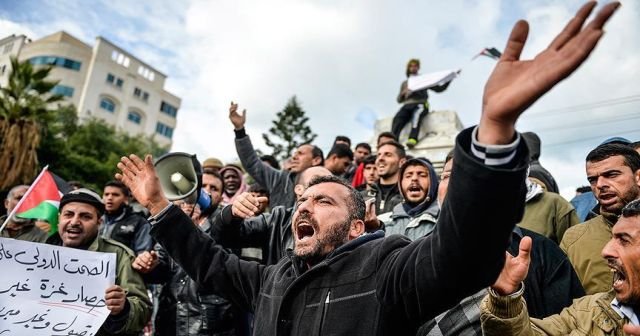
x: 619, y: 277
x: 414, y: 188
x: 73, y: 231
x: 304, y: 231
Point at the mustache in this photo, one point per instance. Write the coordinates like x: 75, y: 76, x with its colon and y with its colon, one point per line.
x: 615, y: 265
x: 306, y: 217
x: 73, y: 226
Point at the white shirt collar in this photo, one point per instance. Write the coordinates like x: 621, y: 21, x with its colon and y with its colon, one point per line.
x: 625, y: 311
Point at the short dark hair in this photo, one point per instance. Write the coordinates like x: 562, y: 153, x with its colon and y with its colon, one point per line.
x: 341, y: 150
x: 364, y: 145
x: 583, y: 189
x: 258, y: 188
x: 603, y: 152
x: 631, y: 209
x: 387, y: 135
x: 215, y: 173
x: 355, y: 203
x: 118, y: 184
x: 317, y: 152
x: 271, y: 160
x: 370, y: 159
x: 399, y: 148
x: 635, y: 145
x: 342, y: 138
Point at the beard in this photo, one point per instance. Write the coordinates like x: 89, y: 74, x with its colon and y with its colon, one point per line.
x: 335, y: 237
x: 616, y: 209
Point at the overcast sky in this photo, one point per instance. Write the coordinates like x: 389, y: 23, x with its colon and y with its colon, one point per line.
x: 344, y: 60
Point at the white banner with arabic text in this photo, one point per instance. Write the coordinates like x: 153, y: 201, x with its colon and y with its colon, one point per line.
x: 52, y: 290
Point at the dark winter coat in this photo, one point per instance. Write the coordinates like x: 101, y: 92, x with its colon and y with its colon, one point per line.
x: 184, y: 308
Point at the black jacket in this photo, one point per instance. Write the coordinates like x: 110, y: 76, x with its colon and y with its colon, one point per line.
x: 384, y: 202
x: 271, y: 232
x: 184, y: 308
x: 130, y: 229
x: 371, y: 285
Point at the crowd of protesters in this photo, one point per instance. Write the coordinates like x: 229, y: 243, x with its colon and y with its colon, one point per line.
x: 374, y: 241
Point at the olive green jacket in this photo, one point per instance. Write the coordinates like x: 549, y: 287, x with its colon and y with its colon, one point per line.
x: 589, y: 315
x: 131, y: 281
x: 549, y: 215
x: 583, y: 245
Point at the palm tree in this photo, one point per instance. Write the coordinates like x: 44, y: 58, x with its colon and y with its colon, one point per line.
x: 24, y: 107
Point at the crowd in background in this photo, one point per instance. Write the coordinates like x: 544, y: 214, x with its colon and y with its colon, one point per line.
x: 254, y: 215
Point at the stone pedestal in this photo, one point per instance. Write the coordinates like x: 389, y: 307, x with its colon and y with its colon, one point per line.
x: 437, y: 135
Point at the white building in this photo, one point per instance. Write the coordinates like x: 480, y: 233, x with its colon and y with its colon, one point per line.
x: 102, y: 81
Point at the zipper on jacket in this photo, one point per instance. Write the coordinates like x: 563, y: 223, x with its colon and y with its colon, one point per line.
x: 325, y: 308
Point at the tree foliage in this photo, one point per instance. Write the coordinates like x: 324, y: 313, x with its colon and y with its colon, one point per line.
x: 89, y: 152
x: 289, y: 130
x: 24, y: 108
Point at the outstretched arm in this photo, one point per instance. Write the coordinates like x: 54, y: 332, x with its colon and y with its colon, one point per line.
x: 265, y: 175
x: 202, y: 259
x: 485, y: 200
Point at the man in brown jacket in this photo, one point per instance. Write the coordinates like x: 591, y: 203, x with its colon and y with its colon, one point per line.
x: 504, y: 311
x: 613, y: 170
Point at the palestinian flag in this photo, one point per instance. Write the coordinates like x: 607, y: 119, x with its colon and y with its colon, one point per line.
x: 489, y: 52
x: 42, y: 199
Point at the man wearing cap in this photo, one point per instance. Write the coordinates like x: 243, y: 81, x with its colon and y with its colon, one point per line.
x: 613, y: 171
x: 213, y: 164
x: 79, y: 221
x: 412, y: 102
x: 20, y: 228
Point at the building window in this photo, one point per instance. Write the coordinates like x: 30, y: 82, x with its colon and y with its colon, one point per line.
x: 120, y: 58
x: 146, y: 73
x: 108, y: 104
x: 135, y: 117
x: 66, y: 91
x: 140, y: 94
x: 164, y: 130
x: 56, y: 61
x: 113, y: 80
x: 168, y: 109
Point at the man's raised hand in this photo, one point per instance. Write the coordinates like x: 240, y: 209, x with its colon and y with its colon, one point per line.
x: 515, y: 269
x: 140, y: 177
x: 514, y: 84
x: 236, y: 119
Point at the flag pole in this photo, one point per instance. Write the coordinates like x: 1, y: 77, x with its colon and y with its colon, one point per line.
x: 13, y: 212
